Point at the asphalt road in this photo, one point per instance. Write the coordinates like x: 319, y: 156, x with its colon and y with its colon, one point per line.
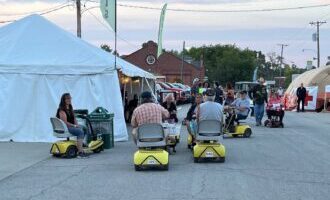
x: 292, y: 163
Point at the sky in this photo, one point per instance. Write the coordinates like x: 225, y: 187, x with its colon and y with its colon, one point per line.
x: 261, y: 31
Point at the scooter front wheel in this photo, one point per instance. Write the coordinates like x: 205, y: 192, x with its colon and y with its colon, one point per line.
x: 247, y: 133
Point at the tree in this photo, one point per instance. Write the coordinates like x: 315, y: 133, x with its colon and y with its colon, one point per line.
x: 106, y: 48
x: 225, y: 63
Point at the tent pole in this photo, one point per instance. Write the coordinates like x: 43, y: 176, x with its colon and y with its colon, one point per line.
x: 141, y: 85
x: 325, y: 103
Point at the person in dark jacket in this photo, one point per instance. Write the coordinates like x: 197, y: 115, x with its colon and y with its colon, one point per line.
x: 132, y: 105
x: 301, y: 94
x: 259, y: 95
x: 191, y: 116
x: 194, y: 90
x: 218, y: 93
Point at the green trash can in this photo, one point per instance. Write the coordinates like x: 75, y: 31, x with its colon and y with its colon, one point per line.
x: 102, y: 124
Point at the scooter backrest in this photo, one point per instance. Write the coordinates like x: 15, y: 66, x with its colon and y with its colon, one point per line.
x: 150, y: 133
x: 209, y: 128
x: 59, y: 127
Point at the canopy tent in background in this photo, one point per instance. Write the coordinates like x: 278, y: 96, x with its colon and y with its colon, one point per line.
x: 134, y: 80
x: 38, y: 63
x: 315, y: 79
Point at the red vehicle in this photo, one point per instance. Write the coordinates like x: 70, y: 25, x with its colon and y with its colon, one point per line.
x: 180, y: 94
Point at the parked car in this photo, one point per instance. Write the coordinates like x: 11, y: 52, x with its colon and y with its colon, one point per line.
x: 186, y: 89
x: 180, y: 94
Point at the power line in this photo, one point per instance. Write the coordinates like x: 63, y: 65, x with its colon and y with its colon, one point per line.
x: 227, y: 11
x: 220, y: 11
x: 110, y: 30
x: 43, y: 13
x: 36, y: 11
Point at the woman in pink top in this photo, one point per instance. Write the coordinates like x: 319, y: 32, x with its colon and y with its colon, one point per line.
x: 274, y: 106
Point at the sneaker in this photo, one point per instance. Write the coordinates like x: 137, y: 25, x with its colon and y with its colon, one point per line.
x: 82, y: 155
x: 257, y: 124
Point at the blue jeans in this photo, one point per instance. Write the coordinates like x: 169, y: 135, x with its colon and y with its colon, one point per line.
x: 77, y: 132
x: 240, y: 117
x: 193, y: 127
x: 259, y: 110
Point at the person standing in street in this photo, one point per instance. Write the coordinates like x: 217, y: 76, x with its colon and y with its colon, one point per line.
x: 218, y: 93
x: 259, y: 96
x: 301, y: 94
x: 194, y: 90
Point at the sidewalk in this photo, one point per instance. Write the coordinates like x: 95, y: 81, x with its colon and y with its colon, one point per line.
x: 16, y: 156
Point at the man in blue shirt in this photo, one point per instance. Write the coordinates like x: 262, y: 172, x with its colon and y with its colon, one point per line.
x: 242, y: 105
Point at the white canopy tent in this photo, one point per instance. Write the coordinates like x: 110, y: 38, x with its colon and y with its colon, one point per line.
x: 38, y: 63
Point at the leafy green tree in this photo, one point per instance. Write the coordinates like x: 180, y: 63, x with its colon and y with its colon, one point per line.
x: 106, y: 48
x: 226, y: 63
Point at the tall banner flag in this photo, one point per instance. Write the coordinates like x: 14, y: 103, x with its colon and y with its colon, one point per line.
x: 160, y: 31
x: 108, y: 10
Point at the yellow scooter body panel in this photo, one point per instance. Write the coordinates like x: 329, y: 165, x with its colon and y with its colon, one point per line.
x: 95, y: 144
x: 60, y: 147
x: 189, y: 139
x: 152, y: 157
x: 209, y: 150
x: 240, y: 129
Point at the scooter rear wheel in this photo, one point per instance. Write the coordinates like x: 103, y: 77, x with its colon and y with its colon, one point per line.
x: 196, y: 160
x: 137, y: 168
x: 98, y: 150
x: 247, y: 133
x: 165, y: 167
x: 266, y: 122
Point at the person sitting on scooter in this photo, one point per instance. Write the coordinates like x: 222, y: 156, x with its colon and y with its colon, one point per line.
x: 148, y: 112
x: 241, y: 106
x: 65, y: 113
x: 191, y: 116
x: 274, y: 106
x: 209, y: 110
x: 169, y: 105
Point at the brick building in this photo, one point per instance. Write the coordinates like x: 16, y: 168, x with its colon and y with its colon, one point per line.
x: 168, y: 64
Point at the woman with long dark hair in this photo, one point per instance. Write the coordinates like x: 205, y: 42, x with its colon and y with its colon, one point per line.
x: 65, y: 113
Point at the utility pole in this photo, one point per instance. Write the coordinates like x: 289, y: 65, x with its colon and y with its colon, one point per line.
x: 281, y: 63
x: 183, y: 47
x: 318, y: 24
x: 78, y: 4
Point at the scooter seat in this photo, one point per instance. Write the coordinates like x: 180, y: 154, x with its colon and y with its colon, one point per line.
x: 209, y: 130
x: 60, y: 130
x: 151, y: 135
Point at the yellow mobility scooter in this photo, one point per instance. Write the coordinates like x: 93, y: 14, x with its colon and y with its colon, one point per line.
x: 208, y: 146
x: 152, y: 153
x: 238, y: 130
x: 68, y: 148
x: 172, y: 131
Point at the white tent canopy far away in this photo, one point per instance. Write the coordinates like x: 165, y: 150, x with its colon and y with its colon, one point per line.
x: 38, y: 63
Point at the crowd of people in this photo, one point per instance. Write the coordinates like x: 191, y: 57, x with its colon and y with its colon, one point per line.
x: 208, y: 103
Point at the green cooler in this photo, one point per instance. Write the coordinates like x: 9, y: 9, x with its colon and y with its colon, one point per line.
x: 102, y: 124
